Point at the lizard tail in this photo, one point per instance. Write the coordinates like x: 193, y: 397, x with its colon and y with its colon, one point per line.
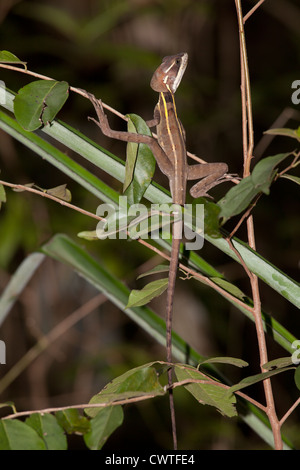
x: 170, y: 293
x: 177, y: 234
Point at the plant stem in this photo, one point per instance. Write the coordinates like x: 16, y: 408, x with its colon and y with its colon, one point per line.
x: 248, y: 144
x: 258, y: 4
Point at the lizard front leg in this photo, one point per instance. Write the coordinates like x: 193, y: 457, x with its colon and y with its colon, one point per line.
x: 159, y: 154
x: 211, y: 173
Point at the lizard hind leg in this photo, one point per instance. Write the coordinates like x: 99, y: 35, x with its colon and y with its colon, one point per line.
x: 211, y: 175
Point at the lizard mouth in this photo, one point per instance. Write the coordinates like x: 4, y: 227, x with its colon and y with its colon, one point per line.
x: 183, y: 57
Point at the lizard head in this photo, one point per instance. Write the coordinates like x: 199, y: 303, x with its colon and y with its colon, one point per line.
x: 169, y: 74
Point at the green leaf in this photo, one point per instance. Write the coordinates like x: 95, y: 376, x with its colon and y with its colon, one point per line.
x: 240, y: 196
x: 160, y: 268
x: 225, y: 360
x: 263, y: 173
x: 88, y: 235
x: 147, y: 293
x: 27, y: 185
x: 72, y: 421
x: 293, y: 178
x: 2, y: 195
x: 37, y: 103
x: 102, y: 426
x: 7, y: 57
x: 294, y: 133
x: 207, y: 394
x: 137, y: 382
x: 297, y: 377
x: 211, y: 217
x: 49, y: 430
x: 61, y: 192
x: 18, y: 282
x: 253, y: 379
x: 9, y: 403
x: 131, y: 157
x: 278, y: 363
x: 229, y: 287
x: 237, y: 198
x: 16, y: 435
x: 140, y: 162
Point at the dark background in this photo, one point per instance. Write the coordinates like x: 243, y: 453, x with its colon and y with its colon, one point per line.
x: 111, y: 49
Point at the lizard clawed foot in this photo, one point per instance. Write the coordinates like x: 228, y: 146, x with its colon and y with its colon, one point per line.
x: 102, y: 118
x: 230, y: 177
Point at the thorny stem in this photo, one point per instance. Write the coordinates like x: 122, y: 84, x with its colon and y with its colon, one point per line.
x: 248, y: 145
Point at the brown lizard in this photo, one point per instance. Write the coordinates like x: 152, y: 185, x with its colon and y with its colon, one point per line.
x: 169, y: 150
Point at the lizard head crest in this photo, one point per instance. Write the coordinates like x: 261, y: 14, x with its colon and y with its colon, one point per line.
x: 168, y: 75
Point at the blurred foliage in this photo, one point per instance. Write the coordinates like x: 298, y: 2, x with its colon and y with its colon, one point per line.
x: 111, y: 49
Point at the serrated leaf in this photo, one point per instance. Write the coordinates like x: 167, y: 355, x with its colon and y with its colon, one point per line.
x: 140, y: 381
x: 297, y: 377
x: 102, y: 426
x: 229, y: 287
x: 16, y: 435
x: 37, y: 103
x: 47, y: 427
x: 294, y: 133
x: 225, y: 360
x: 72, y: 421
x: 207, y: 394
x: 7, y: 57
x: 140, y: 162
x: 141, y: 297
